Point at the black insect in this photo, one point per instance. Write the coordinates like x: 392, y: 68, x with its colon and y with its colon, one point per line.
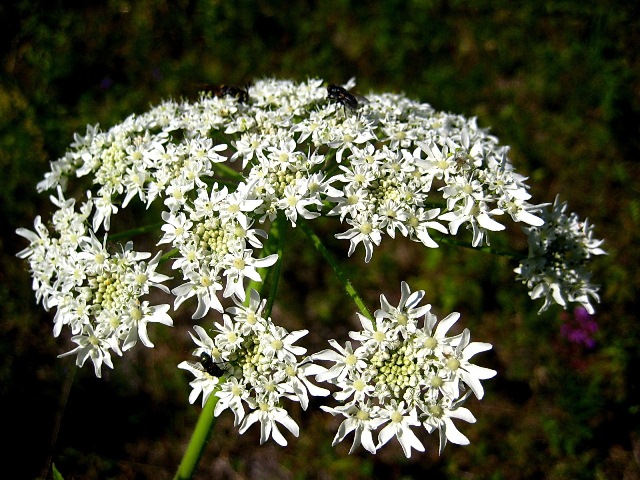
x: 210, y: 366
x: 342, y: 96
x: 241, y: 94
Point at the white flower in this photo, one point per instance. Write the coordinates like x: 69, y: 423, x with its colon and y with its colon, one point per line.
x: 229, y: 335
x: 249, y: 317
x: 420, y: 220
x: 241, y: 264
x: 205, y: 344
x: 203, y: 285
x: 104, y: 208
x: 352, y: 201
x: 139, y: 316
x: 352, y: 132
x: 435, y: 342
x: 133, y: 183
x: 439, y: 414
x: 392, y: 166
x: 362, y: 419
x: 176, y: 228
x: 345, y: 361
x: 294, y: 203
x: 94, y: 346
x: 401, y: 419
x: 298, y: 383
x: 357, y: 385
x: 95, y: 255
x: 238, y: 204
x: 438, y: 163
x: 176, y: 194
x: 407, y: 312
x: 204, y: 383
x: 143, y: 275
x: 458, y: 363
x: 269, y: 416
x: 278, y: 343
x: 366, y: 230
x: 479, y: 218
x: 374, y: 337
x: 559, y: 251
x: 231, y: 395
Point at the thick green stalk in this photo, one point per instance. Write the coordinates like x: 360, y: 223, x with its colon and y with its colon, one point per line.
x: 198, y: 442
x: 338, y: 270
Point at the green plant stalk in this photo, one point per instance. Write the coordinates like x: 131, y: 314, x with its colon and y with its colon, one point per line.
x: 154, y: 227
x: 274, y: 244
x: 485, y: 248
x: 226, y: 170
x: 337, y: 269
x: 199, y: 440
x: 274, y: 273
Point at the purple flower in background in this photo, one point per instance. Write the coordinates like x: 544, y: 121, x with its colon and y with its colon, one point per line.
x: 580, y: 327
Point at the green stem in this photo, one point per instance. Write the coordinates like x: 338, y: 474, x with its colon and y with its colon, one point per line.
x: 338, y: 270
x: 169, y: 255
x: 226, y: 170
x: 154, y: 227
x: 275, y: 244
x: 198, y: 442
x: 448, y: 240
x: 274, y: 272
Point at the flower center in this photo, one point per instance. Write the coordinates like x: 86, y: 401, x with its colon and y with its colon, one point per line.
x: 362, y: 415
x: 453, y: 364
x: 359, y: 385
x: 396, y: 417
x: 366, y: 228
x: 430, y: 343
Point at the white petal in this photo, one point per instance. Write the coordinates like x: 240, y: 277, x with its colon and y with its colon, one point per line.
x: 276, y: 435
x: 463, y: 414
x: 408, y: 439
x: 453, y: 434
x: 474, y: 383
x: 475, y: 347
x: 489, y: 223
x: 526, y: 217
x: 367, y: 440
x: 385, y: 435
x: 446, y: 324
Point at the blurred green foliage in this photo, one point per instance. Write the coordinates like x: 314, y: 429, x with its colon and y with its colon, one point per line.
x: 558, y: 81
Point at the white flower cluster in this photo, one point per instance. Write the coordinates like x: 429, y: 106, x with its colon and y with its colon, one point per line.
x: 403, y: 375
x: 558, y: 253
x: 212, y: 239
x: 395, y: 165
x: 223, y: 169
x: 96, y: 293
x: 257, y: 366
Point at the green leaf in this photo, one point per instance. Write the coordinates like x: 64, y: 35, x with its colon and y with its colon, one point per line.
x: 56, y: 474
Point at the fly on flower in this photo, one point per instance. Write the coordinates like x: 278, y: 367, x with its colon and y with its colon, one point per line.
x: 241, y: 94
x: 210, y: 366
x: 343, y: 96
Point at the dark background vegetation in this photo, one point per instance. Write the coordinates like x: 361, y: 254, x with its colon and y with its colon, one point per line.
x: 556, y: 80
